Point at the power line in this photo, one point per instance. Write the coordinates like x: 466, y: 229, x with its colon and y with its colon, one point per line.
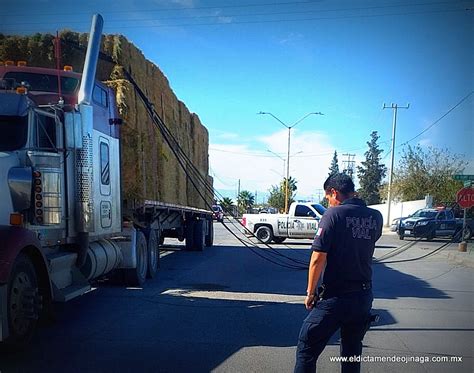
x: 221, y: 22
x: 439, y: 119
x: 181, y: 8
x: 235, y: 15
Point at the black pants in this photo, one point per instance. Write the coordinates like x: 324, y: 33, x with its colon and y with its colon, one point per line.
x: 349, y: 312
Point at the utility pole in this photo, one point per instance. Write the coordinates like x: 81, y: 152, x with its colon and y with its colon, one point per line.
x: 319, y: 190
x: 349, y: 169
x: 394, y: 107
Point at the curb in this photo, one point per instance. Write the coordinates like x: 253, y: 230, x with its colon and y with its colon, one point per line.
x: 458, y: 257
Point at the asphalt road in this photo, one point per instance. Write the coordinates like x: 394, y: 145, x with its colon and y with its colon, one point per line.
x: 231, y: 309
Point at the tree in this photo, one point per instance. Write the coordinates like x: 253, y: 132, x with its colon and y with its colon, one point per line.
x: 371, y: 172
x: 277, y: 197
x: 245, y: 201
x: 421, y: 172
x: 334, y: 168
x: 278, y: 193
x: 227, y: 205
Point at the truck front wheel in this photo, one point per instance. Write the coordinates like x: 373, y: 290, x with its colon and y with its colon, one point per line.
x: 24, y: 303
x: 264, y: 234
x: 467, y: 233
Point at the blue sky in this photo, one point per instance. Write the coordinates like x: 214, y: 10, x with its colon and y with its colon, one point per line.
x: 228, y: 60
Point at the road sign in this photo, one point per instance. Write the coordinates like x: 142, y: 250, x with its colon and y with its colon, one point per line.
x: 463, y: 177
x: 465, y: 198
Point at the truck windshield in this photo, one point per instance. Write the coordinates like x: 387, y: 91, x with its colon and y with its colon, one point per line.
x: 43, y: 82
x: 319, y: 208
x: 424, y: 214
x: 13, y: 131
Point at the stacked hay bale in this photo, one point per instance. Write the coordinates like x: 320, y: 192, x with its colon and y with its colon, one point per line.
x: 150, y: 171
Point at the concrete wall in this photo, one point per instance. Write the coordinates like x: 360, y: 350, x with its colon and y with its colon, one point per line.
x: 399, y: 209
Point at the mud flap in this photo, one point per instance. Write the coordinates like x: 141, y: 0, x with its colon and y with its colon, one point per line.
x: 3, y: 312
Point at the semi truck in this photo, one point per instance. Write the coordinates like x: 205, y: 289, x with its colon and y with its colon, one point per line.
x: 63, y: 223
x: 302, y: 221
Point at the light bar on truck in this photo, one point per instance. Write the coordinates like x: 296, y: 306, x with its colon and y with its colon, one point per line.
x: 9, y: 63
x: 21, y: 63
x: 67, y: 68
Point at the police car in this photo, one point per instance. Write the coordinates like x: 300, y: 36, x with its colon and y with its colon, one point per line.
x: 428, y: 223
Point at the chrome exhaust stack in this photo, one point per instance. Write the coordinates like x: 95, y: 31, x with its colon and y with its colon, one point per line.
x: 84, y: 155
x: 90, y: 63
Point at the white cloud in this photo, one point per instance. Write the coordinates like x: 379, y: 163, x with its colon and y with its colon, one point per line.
x: 258, y: 169
x: 291, y: 38
x: 224, y: 135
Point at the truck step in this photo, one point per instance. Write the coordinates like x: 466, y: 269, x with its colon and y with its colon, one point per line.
x: 60, y: 266
x: 67, y: 280
x: 70, y: 292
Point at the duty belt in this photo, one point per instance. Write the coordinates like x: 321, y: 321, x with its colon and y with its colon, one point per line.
x: 327, y: 291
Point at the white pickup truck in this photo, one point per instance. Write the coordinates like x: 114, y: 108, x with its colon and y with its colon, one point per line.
x: 301, y: 222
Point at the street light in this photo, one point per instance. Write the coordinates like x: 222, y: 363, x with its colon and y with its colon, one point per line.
x: 288, y: 154
x: 283, y: 159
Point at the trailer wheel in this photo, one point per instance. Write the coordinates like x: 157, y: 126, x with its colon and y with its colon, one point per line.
x: 189, y: 235
x: 153, y: 253
x: 210, y: 233
x: 199, y: 235
x: 23, y: 302
x: 264, y: 234
x: 137, y: 276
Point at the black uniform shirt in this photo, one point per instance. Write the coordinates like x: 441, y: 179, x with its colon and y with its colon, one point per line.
x: 347, y: 233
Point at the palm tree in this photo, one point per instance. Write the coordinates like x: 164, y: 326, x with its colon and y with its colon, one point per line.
x: 228, y: 205
x: 245, y: 201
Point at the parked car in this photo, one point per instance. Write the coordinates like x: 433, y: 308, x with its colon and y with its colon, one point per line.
x: 431, y: 223
x: 217, y: 213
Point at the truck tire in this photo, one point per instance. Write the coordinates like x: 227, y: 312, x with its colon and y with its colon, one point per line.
x: 137, y: 276
x: 153, y: 253
x: 279, y: 239
x: 467, y: 233
x: 23, y: 303
x: 210, y: 234
x: 264, y: 234
x: 199, y: 235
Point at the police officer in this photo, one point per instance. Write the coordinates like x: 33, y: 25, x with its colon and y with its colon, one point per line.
x: 343, y: 245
